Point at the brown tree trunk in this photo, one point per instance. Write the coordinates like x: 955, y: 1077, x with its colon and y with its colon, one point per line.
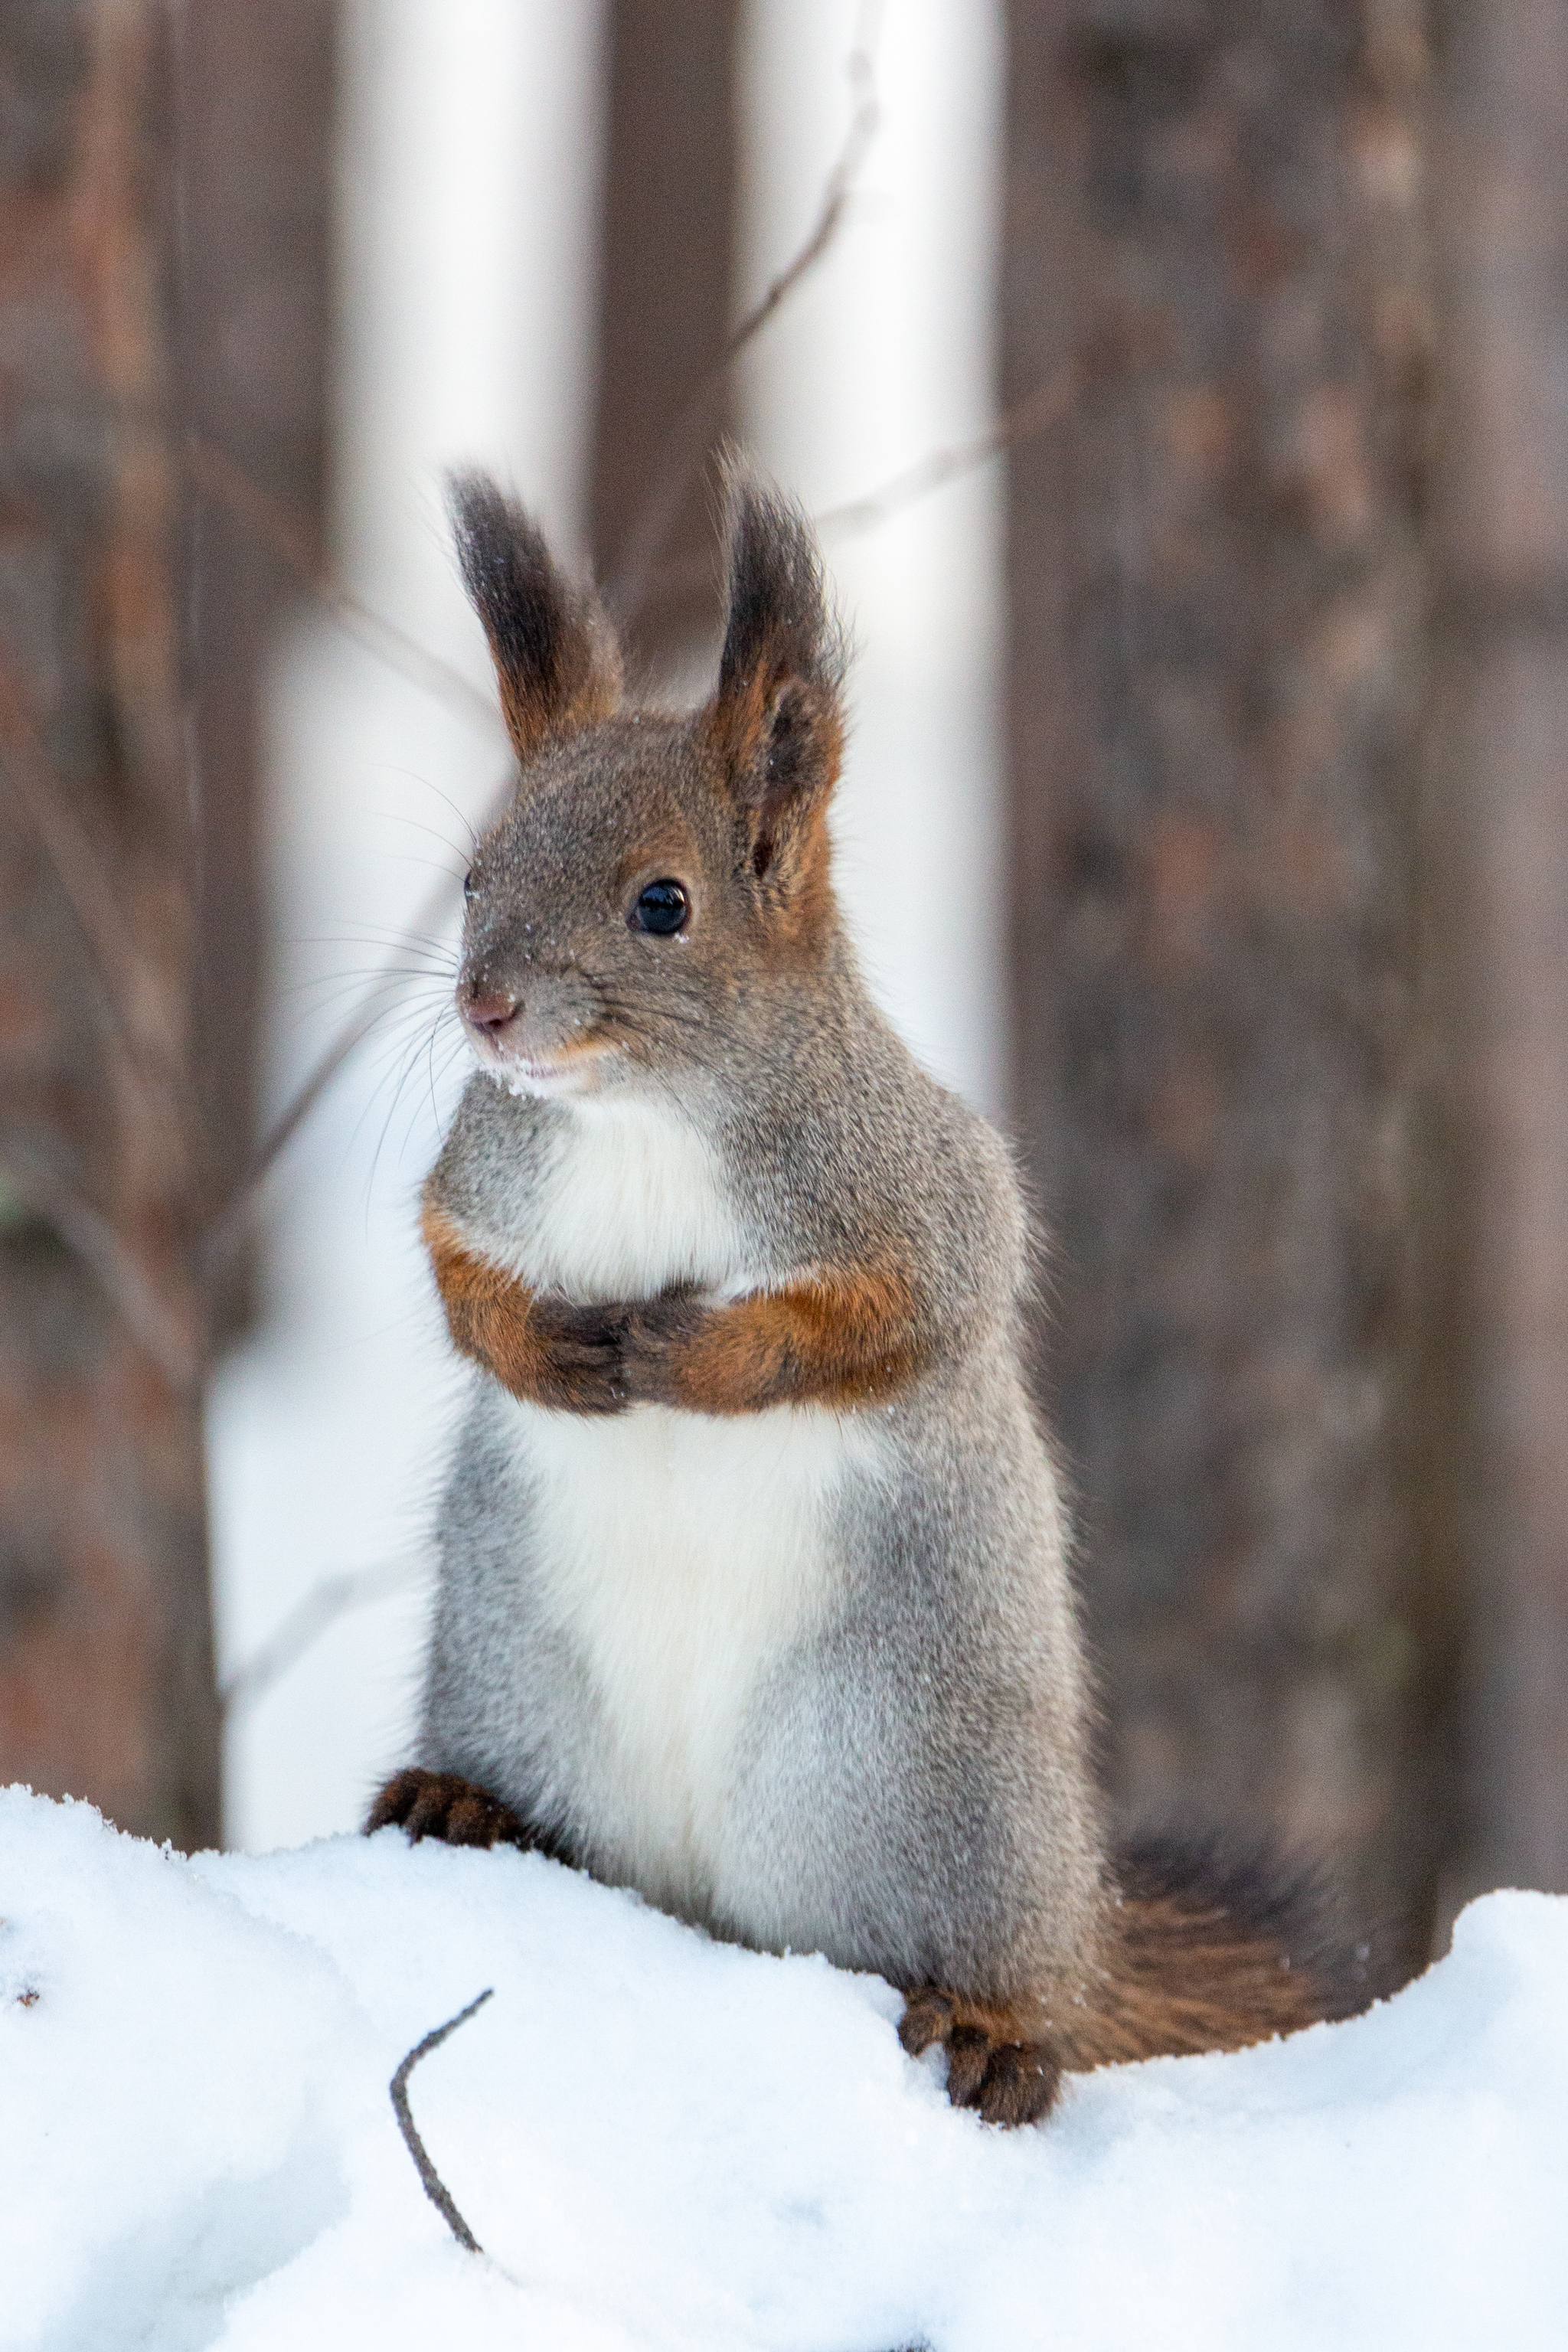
x: 106, y: 1678
x: 1503, y: 89
x: 1218, y: 593
x: 254, y: 94
x: 666, y: 289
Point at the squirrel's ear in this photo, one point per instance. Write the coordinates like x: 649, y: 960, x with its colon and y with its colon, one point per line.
x: 554, y: 651
x: 776, y: 720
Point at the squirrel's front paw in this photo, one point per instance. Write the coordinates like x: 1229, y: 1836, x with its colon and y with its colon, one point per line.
x: 579, y: 1357
x: 994, y: 2063
x: 442, y: 1805
x: 657, y: 1335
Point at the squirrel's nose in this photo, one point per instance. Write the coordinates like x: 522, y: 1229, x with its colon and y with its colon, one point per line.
x: 487, y: 1008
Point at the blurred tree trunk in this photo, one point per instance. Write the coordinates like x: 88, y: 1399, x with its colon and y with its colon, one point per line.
x: 106, y: 1676
x: 255, y: 86
x: 1219, y: 595
x: 665, y: 290
x: 1503, y: 90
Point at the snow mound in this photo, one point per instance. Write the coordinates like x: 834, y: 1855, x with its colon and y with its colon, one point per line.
x: 661, y: 2141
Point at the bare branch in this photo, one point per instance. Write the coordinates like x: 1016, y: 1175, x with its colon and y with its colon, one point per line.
x: 219, y: 478
x: 228, y: 1223
x: 836, y: 190
x: 225, y: 1227
x: 328, y: 1599
x: 687, y: 440
x: 92, y: 1239
x: 1043, y: 408
x: 76, y: 862
x: 434, y: 2188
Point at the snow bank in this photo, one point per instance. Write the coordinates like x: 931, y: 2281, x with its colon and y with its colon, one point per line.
x: 663, y: 2142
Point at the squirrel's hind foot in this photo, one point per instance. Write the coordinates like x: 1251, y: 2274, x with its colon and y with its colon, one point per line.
x: 443, y: 1805
x: 994, y: 2063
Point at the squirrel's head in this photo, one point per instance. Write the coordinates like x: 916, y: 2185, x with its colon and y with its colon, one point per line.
x: 653, y: 875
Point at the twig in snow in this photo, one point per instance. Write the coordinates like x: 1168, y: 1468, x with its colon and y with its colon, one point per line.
x: 434, y: 2188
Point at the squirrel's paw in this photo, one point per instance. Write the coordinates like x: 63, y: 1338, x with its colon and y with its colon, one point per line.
x: 994, y: 2063
x: 580, y: 1355
x: 657, y: 1335
x: 442, y: 1805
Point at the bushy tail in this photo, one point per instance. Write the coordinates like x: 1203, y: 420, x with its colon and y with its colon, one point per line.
x: 1212, y: 1946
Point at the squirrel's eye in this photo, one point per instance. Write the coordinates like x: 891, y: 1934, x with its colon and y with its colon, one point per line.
x: 661, y: 908
x: 468, y: 884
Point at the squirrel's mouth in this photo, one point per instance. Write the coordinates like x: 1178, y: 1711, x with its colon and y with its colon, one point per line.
x: 569, y: 1070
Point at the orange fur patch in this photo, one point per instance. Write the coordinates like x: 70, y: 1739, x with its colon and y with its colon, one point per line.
x: 838, y: 1339
x: 1176, y: 1978
x: 543, y: 1350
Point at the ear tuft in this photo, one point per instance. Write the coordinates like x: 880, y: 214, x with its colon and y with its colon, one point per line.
x: 776, y: 719
x: 555, y: 653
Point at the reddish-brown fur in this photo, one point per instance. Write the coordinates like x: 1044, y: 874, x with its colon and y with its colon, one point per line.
x: 998, y: 2059
x: 544, y: 1349
x: 837, y: 1339
x: 441, y: 1805
x: 1195, y: 1954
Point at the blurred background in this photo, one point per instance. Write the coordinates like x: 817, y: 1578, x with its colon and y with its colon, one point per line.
x: 1182, y: 388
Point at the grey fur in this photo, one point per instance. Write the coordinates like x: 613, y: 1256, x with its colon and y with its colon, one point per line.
x: 908, y: 1789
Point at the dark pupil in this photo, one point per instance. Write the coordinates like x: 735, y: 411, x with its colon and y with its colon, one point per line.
x: 661, y: 908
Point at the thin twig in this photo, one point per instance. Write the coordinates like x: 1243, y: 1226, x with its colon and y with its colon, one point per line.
x: 1043, y: 408
x: 434, y: 2188
x: 1023, y: 422
x: 329, y: 1599
x: 687, y: 440
x: 94, y: 1241
x: 228, y: 1221
x: 836, y: 190
x: 78, y: 868
x: 217, y: 474
x: 226, y: 1225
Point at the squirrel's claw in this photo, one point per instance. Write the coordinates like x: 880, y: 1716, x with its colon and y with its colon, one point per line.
x: 992, y: 2063
x: 443, y: 1805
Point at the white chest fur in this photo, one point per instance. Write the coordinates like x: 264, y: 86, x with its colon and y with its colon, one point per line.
x: 632, y: 1203
x: 679, y: 1553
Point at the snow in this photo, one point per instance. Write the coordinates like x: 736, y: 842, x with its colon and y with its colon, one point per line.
x: 662, y: 2141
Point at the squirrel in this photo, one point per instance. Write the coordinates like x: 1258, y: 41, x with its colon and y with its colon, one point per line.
x: 755, y: 1588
